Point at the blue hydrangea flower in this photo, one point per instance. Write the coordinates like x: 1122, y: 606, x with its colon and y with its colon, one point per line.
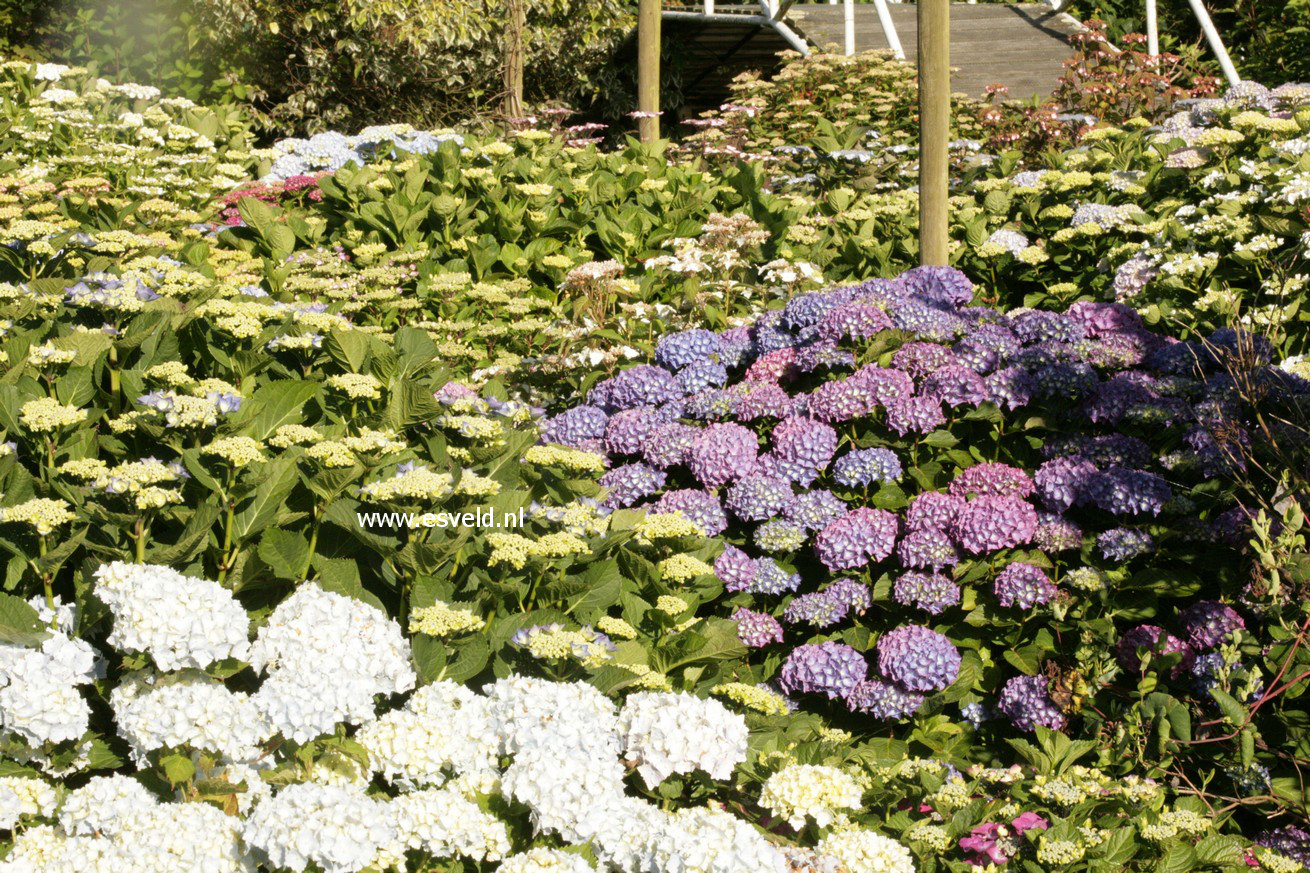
x: 933, y: 593
x: 918, y: 658
x: 883, y: 700
x: 866, y: 466
x: 1026, y: 702
x: 678, y: 350
x: 830, y: 668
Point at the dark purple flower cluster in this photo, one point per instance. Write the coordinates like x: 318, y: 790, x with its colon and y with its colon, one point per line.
x: 830, y: 668
x: 631, y: 484
x: 858, y: 537
x: 918, y: 658
x: 1119, y: 491
x: 932, y: 593
x: 1122, y: 544
x: 1209, y: 623
x: 1153, y: 639
x: 865, y: 466
x: 1023, y: 585
x: 883, y: 700
x: 644, y: 385
x: 927, y: 549
x: 756, y: 497
x: 756, y: 629
x: 723, y: 453
x: 678, y: 350
x: 992, y: 480
x: 1026, y: 702
x: 988, y: 524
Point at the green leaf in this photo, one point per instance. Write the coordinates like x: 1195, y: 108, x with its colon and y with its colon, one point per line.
x: 1219, y: 851
x: 178, y: 769
x: 429, y: 657
x: 467, y: 658
x: 1179, y: 858
x: 275, y: 404
x: 19, y: 623
x: 256, y: 512
x: 341, y: 576
x: 285, y: 552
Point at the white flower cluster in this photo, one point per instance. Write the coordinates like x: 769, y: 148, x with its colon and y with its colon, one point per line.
x: 867, y: 852
x: 39, y: 697
x: 810, y: 791
x: 544, y: 861
x: 179, y: 621
x: 339, y: 828
x: 327, y: 657
x: 186, y: 709
x: 666, y: 733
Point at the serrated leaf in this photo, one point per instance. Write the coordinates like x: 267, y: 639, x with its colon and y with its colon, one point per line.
x: 19, y: 623
x: 285, y: 552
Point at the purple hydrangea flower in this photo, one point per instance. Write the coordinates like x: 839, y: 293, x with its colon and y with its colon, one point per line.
x: 865, y: 466
x: 1062, y: 482
x: 722, y: 453
x: 812, y: 510
x: 861, y: 535
x: 1035, y: 326
x: 711, y: 404
x: 976, y: 713
x: 756, y: 629
x: 927, y: 548
x: 933, y: 509
x: 626, y: 431
x: 701, y: 507
x: 668, y: 444
x: 756, y: 497
x: 1011, y: 387
x: 932, y: 593
x: 809, y: 309
x: 1023, y: 585
x: 943, y: 286
x: 772, y: 578
x: 643, y: 385
x: 840, y: 401
x: 1149, y: 636
x: 928, y: 322
x: 702, y: 375
x: 992, y: 479
x: 1122, y: 544
x: 735, y: 569
x: 922, y: 359
x: 574, y: 426
x: 823, y: 354
x: 1120, y: 491
x: 802, y: 448
x: 631, y: 483
x: 1055, y: 533
x: 956, y: 386
x: 817, y: 609
x: 1101, y: 318
x: 918, y: 658
x: 1288, y: 840
x: 1064, y: 380
x: 856, y: 320
x: 1026, y: 703
x: 918, y: 414
x: 678, y: 350
x: 763, y: 400
x: 1208, y: 623
x: 987, y: 524
x: 883, y: 700
x: 830, y: 668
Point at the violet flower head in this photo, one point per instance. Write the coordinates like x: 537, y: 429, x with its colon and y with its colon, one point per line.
x: 574, y: 426
x: 1062, y: 482
x: 885, y: 385
x: 1026, y: 702
x: 772, y: 578
x: 946, y: 287
x: 802, y: 448
x: 918, y: 658
x: 756, y: 629
x: 667, y: 445
x: 1120, y: 491
x: 919, y: 414
x: 859, y: 536
x: 1011, y: 387
x: 1023, y: 585
x: 883, y: 700
x: 921, y: 359
x: 701, y: 507
x: 956, y: 386
x: 1055, y: 533
x: 643, y: 385
x: 927, y: 548
x: 992, y: 479
x: 812, y: 510
x: 735, y: 569
x: 1122, y: 544
x: 830, y: 668
x: 933, y: 593
x: 866, y: 466
x: 627, y: 431
x: 1152, y: 638
x: 702, y: 375
x: 1209, y: 623
x: 630, y: 484
x: 722, y: 453
x: 757, y: 497
x: 763, y: 400
x: 933, y: 509
x: 854, y: 320
x: 841, y: 400
x: 987, y: 524
x: 681, y: 349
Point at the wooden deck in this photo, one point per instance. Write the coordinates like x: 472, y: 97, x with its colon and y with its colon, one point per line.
x: 1022, y: 46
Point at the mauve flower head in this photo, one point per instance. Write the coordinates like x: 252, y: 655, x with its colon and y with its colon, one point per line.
x: 987, y: 524
x: 866, y: 466
x: 711, y: 404
x: 1064, y: 380
x: 573, y: 426
x: 927, y: 548
x: 928, y: 322
x: 756, y: 629
x: 631, y: 483
x: 933, y: 509
x: 942, y: 286
x: 1029, y: 821
x: 1288, y: 840
x: 883, y: 700
x: 702, y: 375
x: 643, y: 385
x: 956, y: 386
x: 1026, y: 703
x: 812, y: 510
x: 987, y: 347
x: 772, y: 367
x: 626, y: 431
x: 855, y: 595
x: 859, y: 536
x: 919, y: 414
x: 1120, y: 491
x: 768, y: 338
x: 1149, y: 636
x: 920, y: 359
x: 756, y: 497
x: 1209, y: 623
x: 932, y: 593
x: 1100, y: 318
x: 700, y: 507
x: 816, y: 608
x: 991, y: 479
x: 1117, y: 398
x: 1055, y: 533
x: 840, y: 400
x: 763, y: 400
x: 722, y: 453
x: 830, y: 668
x: 772, y: 578
x: 809, y: 309
x: 735, y: 569
x: 1035, y: 326
x: 678, y: 350
x: 1107, y: 450
x: 855, y: 320
x: 984, y: 844
x: 1023, y: 585
x: 823, y: 353
x: 1011, y: 387
x: 885, y: 385
x: 1122, y: 544
x: 1062, y: 482
x: 918, y: 658
x: 1114, y: 351
x: 802, y: 448
x: 668, y: 444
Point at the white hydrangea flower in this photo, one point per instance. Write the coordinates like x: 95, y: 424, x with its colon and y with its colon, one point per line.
x: 442, y: 728
x: 574, y: 713
x: 340, y: 829
x: 327, y: 657
x: 667, y: 733
x: 543, y: 860
x: 106, y: 805
x: 35, y: 796
x: 810, y: 791
x: 186, y: 709
x: 11, y: 808
x: 569, y: 793
x: 444, y: 824
x: 179, y: 621
x: 867, y: 852
x: 702, y: 840
x: 39, y: 699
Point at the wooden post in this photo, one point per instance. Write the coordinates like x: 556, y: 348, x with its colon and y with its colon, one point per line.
x: 648, y: 68
x: 934, y: 128
x: 514, y: 27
